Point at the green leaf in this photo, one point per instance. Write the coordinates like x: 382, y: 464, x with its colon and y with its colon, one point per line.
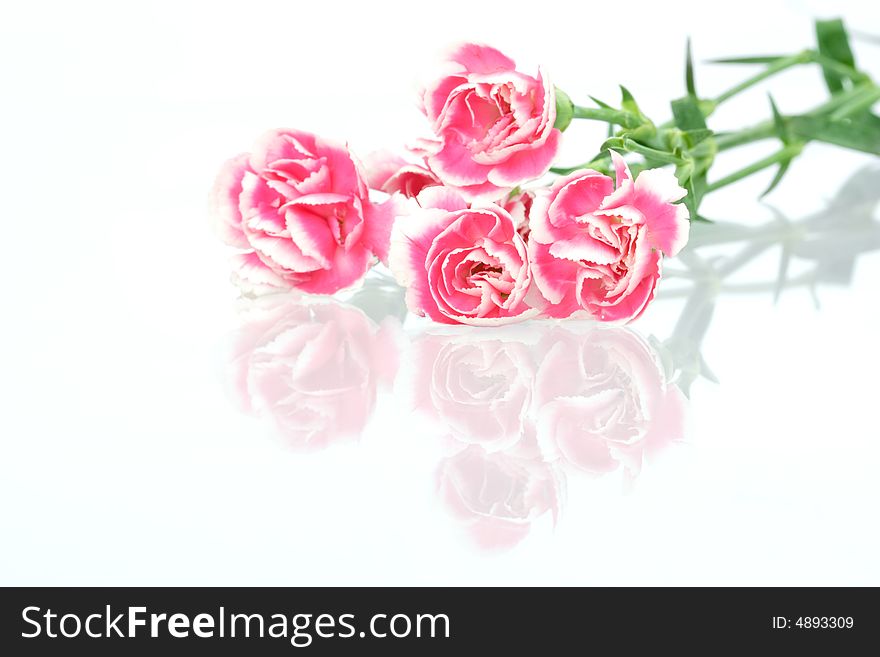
x: 612, y: 143
x: 689, y: 71
x: 862, y: 100
x: 694, y: 137
x: 652, y: 154
x: 834, y: 44
x: 600, y: 103
x: 685, y: 140
x: 684, y: 172
x: 644, y: 133
x: 628, y: 102
x: 696, y: 188
x: 778, y: 121
x: 707, y: 106
x: 783, y: 131
x: 687, y: 114
x: 861, y: 132
x: 784, y: 134
x: 758, y: 59
x: 601, y: 161
x: 564, y: 110
x: 783, y: 167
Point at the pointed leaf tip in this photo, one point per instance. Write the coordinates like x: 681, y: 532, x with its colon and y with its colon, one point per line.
x: 779, y: 123
x: 628, y: 102
x: 756, y: 59
x: 783, y: 168
x: 689, y: 71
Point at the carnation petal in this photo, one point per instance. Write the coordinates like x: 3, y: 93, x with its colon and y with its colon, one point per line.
x: 577, y: 195
x: 252, y: 270
x: 281, y: 144
x: 526, y: 164
x: 502, y: 320
x: 310, y: 233
x: 555, y: 279
x: 621, y: 168
x: 668, y: 227
x: 380, y: 166
x: 443, y: 198
x: 378, y: 222
x: 346, y: 269
x: 483, y: 193
x: 583, y: 247
x: 481, y: 59
x: 660, y: 184
x: 283, y: 254
x: 630, y: 306
x: 455, y: 166
x: 225, y: 201
x: 411, y: 238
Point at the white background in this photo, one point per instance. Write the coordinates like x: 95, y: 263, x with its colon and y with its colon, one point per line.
x: 125, y: 459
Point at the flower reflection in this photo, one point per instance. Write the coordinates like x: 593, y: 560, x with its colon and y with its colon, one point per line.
x: 497, y: 495
x: 525, y: 408
x: 529, y: 408
x: 603, y: 401
x: 480, y: 390
x: 313, y: 367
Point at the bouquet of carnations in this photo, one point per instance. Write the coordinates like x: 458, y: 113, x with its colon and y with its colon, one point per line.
x: 477, y: 220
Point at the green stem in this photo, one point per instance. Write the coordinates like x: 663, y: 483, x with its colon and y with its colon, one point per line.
x: 781, y: 64
x: 776, y: 67
x: 564, y: 171
x: 782, y: 155
x: 863, y: 94
x: 842, y: 98
x: 618, y: 117
x: 628, y: 145
x: 660, y: 156
x: 594, y: 164
x: 844, y: 70
x: 763, y: 130
x: 839, y: 106
x: 861, y: 101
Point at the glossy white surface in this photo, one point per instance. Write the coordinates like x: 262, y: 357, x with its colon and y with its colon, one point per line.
x: 128, y: 459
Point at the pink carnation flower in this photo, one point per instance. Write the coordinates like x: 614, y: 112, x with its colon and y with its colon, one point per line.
x: 391, y: 174
x: 493, y: 124
x: 461, y: 264
x: 598, y: 249
x: 299, y: 209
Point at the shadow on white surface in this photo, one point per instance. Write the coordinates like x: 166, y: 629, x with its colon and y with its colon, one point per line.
x: 824, y: 245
